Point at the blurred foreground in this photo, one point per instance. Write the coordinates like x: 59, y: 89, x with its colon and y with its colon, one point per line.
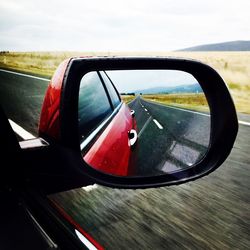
x: 210, y: 213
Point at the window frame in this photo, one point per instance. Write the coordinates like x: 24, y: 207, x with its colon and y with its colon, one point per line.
x: 110, y: 109
x: 90, y: 138
x: 112, y: 84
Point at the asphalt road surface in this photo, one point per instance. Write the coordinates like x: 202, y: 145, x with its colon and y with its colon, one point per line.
x: 209, y: 213
x: 169, y: 138
x: 21, y: 98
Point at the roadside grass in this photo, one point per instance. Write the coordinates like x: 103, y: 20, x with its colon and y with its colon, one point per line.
x: 234, y: 67
x: 192, y: 101
x: 127, y: 98
x: 39, y: 63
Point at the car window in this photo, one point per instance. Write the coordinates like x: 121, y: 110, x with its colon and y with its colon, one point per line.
x: 111, y: 90
x: 93, y: 104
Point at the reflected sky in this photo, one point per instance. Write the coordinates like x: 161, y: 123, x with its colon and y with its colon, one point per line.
x: 133, y: 80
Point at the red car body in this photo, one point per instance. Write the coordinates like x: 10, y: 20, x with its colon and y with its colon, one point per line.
x: 111, y: 151
x: 49, y: 119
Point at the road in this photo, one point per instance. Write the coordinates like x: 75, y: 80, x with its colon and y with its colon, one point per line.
x: 21, y: 98
x: 210, y: 213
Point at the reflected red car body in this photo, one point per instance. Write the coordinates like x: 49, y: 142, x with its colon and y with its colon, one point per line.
x: 111, y: 152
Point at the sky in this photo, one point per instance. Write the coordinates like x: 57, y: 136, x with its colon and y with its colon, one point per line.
x: 116, y: 25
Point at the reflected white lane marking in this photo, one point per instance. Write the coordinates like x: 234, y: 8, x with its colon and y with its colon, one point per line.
x: 21, y: 74
x: 157, y: 124
x: 90, y: 187
x: 146, y: 110
x: 20, y: 131
x: 244, y: 123
x: 190, y: 111
x: 144, y: 126
x: 85, y: 241
x: 195, y: 112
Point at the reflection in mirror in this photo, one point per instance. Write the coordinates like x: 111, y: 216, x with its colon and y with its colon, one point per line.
x: 142, y: 122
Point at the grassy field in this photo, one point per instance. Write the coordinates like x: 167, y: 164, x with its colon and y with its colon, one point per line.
x: 127, y: 98
x: 191, y: 101
x: 234, y: 67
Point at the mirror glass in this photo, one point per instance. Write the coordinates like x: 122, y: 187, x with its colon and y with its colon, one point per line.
x: 142, y: 122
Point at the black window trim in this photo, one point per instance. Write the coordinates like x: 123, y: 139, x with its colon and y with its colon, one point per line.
x: 112, y: 85
x: 87, y: 141
x: 109, y: 103
x: 106, y: 90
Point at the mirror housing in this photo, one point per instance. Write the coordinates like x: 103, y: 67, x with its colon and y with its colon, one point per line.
x: 59, y: 117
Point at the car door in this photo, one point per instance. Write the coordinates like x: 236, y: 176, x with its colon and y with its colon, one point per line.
x: 105, y: 125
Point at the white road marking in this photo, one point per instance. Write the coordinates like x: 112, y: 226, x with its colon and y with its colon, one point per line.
x: 244, y: 123
x: 21, y: 74
x: 90, y: 187
x: 144, y: 126
x: 85, y: 241
x: 146, y: 110
x: 20, y: 131
x: 157, y: 124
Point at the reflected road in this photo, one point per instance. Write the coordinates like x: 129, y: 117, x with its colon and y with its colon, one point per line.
x: 169, y: 138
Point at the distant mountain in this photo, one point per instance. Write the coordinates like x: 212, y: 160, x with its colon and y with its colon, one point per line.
x: 227, y: 46
x: 192, y: 88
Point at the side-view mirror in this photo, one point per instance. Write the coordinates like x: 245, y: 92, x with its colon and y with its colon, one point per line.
x: 139, y: 122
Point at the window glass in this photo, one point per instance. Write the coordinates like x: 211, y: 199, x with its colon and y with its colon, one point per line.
x: 93, y: 104
x: 112, y: 92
